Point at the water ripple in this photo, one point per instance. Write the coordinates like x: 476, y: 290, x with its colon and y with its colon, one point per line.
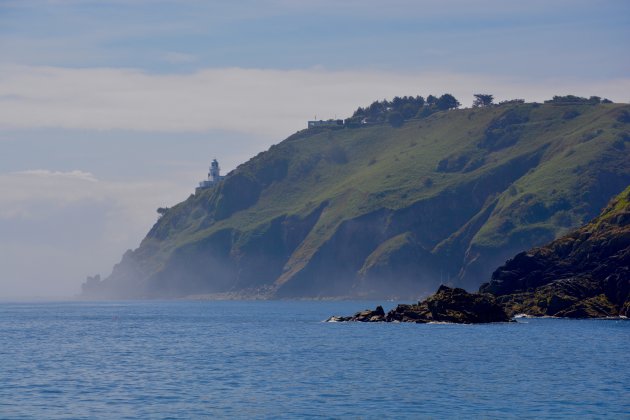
x: 276, y: 359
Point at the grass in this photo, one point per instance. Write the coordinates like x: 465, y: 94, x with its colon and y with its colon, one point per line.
x: 358, y: 171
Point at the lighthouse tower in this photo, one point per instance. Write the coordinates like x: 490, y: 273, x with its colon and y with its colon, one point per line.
x: 214, y: 176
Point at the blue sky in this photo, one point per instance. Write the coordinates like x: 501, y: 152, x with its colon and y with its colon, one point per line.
x: 529, y: 38
x: 112, y: 108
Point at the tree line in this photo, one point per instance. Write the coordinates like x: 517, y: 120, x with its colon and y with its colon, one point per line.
x: 571, y: 100
x: 400, y: 109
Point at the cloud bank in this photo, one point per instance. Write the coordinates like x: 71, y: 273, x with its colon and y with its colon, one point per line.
x: 270, y: 103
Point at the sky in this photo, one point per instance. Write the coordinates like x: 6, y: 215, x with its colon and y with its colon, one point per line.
x: 110, y: 109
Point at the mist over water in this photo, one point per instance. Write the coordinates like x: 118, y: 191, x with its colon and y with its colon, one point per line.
x: 277, y: 359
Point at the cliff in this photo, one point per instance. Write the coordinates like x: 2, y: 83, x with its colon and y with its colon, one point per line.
x: 585, y: 274
x: 384, y: 211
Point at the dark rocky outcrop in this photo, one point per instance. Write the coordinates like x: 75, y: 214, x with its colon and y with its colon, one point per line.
x: 585, y: 274
x: 368, y: 315
x: 446, y: 305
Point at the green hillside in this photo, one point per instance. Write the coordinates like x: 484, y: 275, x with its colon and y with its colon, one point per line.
x: 388, y: 211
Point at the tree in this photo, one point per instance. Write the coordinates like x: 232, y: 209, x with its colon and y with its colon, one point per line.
x: 482, y: 100
x: 395, y: 118
x: 425, y: 111
x: 447, y: 101
x: 375, y: 109
x: 512, y: 102
x: 431, y: 100
x: 569, y: 99
x: 354, y: 121
x: 398, y: 102
x: 409, y: 111
x: 360, y: 112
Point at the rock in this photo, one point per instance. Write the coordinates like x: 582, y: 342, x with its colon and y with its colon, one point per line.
x: 585, y: 274
x: 457, y: 305
x: 595, y: 307
x: 446, y: 305
x: 368, y: 315
x: 409, y: 313
x: 337, y: 319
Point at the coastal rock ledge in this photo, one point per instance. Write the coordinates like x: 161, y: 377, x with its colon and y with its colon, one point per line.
x: 452, y: 305
x: 584, y: 274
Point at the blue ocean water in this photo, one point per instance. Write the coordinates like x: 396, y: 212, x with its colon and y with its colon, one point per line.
x: 277, y: 359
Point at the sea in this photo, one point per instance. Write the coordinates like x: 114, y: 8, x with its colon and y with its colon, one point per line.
x: 278, y: 359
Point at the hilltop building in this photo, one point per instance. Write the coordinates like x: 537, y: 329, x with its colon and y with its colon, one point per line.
x: 325, y: 123
x: 214, y: 176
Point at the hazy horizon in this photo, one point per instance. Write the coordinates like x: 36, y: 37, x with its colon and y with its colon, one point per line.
x: 111, y: 109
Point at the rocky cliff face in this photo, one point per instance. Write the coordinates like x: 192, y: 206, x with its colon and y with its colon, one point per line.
x: 382, y: 211
x: 583, y: 274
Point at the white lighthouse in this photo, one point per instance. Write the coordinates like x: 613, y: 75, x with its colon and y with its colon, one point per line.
x: 214, y: 176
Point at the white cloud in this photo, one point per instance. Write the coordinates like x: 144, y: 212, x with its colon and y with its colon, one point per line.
x: 272, y: 103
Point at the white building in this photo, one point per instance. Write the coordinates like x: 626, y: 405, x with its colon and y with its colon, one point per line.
x: 325, y: 123
x: 214, y: 176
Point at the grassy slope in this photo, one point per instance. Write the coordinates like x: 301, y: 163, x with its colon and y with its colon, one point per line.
x: 358, y: 171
